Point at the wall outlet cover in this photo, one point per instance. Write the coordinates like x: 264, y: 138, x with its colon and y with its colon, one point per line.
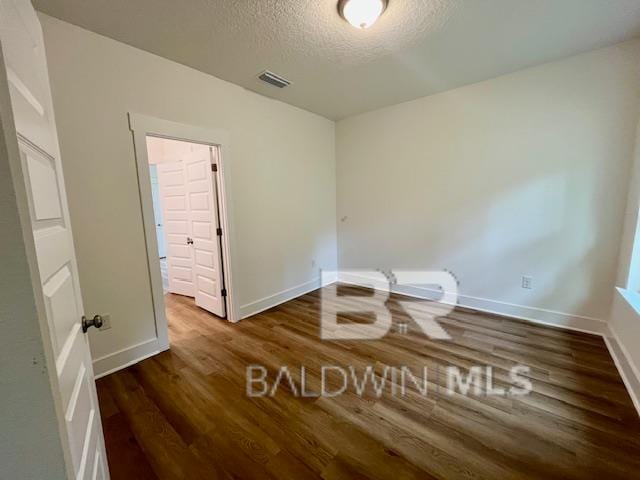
x: 527, y: 282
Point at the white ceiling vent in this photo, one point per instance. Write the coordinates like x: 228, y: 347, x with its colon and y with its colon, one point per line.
x: 273, y: 79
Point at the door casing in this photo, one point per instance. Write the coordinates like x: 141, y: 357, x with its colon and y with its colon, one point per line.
x: 143, y: 126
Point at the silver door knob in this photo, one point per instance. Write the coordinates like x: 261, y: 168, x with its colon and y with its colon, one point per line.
x: 96, y: 321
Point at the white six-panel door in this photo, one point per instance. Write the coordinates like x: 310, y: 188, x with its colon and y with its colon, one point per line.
x: 190, y: 210
x: 175, y: 209
x: 24, y: 57
x: 203, y: 216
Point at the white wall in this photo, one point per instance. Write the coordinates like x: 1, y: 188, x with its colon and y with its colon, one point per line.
x: 283, y: 175
x: 524, y: 174
x: 630, y: 242
x: 624, y: 322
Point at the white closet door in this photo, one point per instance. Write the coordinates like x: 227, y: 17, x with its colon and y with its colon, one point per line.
x: 175, y: 209
x: 203, y: 210
x: 24, y: 57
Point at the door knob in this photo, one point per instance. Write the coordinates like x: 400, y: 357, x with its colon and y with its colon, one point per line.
x: 189, y: 241
x: 96, y: 321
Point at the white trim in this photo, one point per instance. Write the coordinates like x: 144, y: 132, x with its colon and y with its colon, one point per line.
x: 126, y: 357
x: 271, y: 301
x: 141, y: 126
x: 532, y: 314
x: 626, y: 367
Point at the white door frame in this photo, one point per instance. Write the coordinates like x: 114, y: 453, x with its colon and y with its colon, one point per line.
x: 142, y: 126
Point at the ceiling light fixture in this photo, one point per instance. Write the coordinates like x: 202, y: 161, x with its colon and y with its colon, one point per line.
x: 361, y: 13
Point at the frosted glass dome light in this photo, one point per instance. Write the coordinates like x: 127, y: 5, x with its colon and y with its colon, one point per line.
x: 361, y: 13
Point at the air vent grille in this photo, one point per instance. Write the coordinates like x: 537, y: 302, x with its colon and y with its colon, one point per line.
x: 273, y: 79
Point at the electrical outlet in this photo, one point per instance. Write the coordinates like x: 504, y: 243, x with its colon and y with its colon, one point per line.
x: 106, y: 321
x: 313, y: 263
x: 527, y: 282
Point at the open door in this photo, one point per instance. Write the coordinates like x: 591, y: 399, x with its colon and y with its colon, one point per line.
x: 190, y: 210
x: 203, y: 206
x: 24, y: 58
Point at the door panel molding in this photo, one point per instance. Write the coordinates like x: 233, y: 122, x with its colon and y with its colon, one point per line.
x: 175, y: 211
x: 42, y: 203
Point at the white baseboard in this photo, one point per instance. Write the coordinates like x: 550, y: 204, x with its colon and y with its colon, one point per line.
x: 628, y: 370
x: 532, y: 314
x: 271, y: 301
x: 128, y: 356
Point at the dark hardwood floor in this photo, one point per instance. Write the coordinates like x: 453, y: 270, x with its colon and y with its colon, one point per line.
x: 185, y: 414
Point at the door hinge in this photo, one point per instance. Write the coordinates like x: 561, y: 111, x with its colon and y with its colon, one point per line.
x: 219, y: 231
x: 224, y: 292
x: 214, y: 167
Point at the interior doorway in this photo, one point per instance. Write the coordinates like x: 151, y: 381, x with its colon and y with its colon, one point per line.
x: 187, y: 216
x: 183, y: 174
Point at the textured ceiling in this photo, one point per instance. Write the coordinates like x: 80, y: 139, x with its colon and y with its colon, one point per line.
x: 418, y: 47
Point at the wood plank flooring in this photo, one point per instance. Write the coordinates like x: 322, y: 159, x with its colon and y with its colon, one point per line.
x: 185, y: 413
